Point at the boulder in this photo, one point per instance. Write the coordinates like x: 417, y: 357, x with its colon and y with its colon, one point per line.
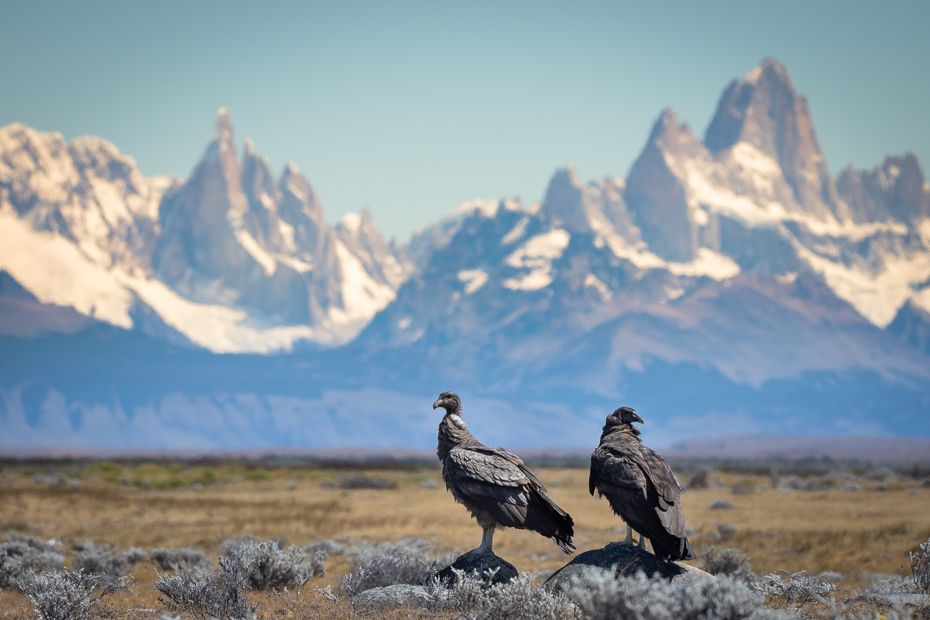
x: 389, y: 597
x: 624, y: 560
x: 479, y: 567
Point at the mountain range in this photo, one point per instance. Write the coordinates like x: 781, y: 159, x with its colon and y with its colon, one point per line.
x: 729, y: 285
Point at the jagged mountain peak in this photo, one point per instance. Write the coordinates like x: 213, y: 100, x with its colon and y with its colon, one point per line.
x: 356, y: 223
x: 666, y: 125
x: 770, y: 74
x: 568, y: 173
x: 237, y: 237
x: 761, y: 109
x: 896, y: 190
x: 85, y: 191
x: 298, y: 198
x: 563, y: 204
x: 764, y: 111
x: 223, y: 127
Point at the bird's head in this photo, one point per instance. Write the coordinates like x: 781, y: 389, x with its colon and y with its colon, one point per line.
x: 624, y: 415
x: 450, y: 402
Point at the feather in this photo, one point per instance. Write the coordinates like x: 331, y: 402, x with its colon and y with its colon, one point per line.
x: 639, y: 486
x: 494, y: 484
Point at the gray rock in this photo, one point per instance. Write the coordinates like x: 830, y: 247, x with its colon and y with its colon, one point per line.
x: 479, y: 567
x: 388, y: 597
x: 624, y: 560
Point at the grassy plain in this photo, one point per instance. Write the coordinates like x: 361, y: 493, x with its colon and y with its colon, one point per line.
x: 200, y: 505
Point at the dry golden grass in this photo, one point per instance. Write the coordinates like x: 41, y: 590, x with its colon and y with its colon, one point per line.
x: 866, y: 532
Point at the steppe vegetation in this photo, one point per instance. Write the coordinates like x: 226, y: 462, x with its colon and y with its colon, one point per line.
x: 295, y: 540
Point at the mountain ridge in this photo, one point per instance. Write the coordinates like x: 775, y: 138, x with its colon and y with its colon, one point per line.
x: 726, y: 283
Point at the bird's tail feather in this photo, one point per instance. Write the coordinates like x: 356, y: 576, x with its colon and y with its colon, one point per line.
x: 554, y: 522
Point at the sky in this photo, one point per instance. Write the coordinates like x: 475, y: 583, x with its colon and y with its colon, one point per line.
x: 411, y: 108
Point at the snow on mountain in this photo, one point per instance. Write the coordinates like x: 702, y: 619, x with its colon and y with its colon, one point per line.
x: 758, y: 190
x: 230, y: 259
x: 727, y: 282
x: 86, y: 191
x: 739, y: 225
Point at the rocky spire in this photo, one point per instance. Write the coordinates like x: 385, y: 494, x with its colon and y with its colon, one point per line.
x: 763, y: 110
x: 197, y: 237
x: 895, y: 190
x: 656, y: 195
x: 563, y: 204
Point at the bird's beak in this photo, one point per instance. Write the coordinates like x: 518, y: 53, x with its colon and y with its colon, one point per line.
x: 437, y: 404
x: 639, y: 419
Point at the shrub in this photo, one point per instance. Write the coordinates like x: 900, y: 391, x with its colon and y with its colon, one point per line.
x: 22, y: 555
x: 68, y: 595
x: 103, y: 560
x: 725, y: 531
x: 175, y: 560
x: 798, y: 590
x: 602, y: 596
x: 326, y: 548
x: 134, y: 555
x: 920, y: 567
x: 721, y: 504
x: 729, y: 562
x: 409, y: 561
x: 220, y: 594
x: 228, y: 546
x: 522, y: 598
x: 270, y: 566
x: 360, y: 481
x: 12, y: 570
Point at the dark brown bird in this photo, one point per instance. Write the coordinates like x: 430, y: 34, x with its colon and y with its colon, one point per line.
x: 494, y: 485
x: 640, y: 487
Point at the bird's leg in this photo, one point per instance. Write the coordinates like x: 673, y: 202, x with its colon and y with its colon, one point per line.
x: 642, y: 542
x: 487, y: 539
x: 629, y: 536
x: 487, y: 535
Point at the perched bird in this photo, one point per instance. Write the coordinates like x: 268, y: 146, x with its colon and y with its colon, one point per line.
x: 640, y: 487
x: 494, y: 485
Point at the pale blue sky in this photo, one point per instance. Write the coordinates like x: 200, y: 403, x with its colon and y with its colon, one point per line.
x: 411, y: 108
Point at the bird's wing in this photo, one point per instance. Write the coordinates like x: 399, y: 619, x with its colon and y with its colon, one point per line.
x: 613, y: 471
x: 500, y: 484
x: 494, y: 482
x: 516, y: 460
x: 662, y: 477
x: 485, y: 465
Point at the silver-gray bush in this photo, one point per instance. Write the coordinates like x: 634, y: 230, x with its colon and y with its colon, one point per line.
x: 181, y: 559
x: 68, y: 595
x: 220, y: 594
x: 408, y: 561
x: 603, y: 596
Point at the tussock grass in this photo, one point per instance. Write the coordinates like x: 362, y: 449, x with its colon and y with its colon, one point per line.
x: 829, y: 529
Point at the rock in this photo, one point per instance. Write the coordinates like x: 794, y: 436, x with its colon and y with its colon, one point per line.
x: 479, y: 567
x: 626, y: 560
x: 399, y: 595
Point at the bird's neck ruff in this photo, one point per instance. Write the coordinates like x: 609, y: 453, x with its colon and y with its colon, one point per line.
x: 453, y: 434
x: 616, y: 429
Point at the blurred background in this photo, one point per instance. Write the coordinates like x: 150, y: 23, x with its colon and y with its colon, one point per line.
x: 263, y: 227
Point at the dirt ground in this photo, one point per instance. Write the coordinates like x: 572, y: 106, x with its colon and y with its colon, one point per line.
x: 866, y: 530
